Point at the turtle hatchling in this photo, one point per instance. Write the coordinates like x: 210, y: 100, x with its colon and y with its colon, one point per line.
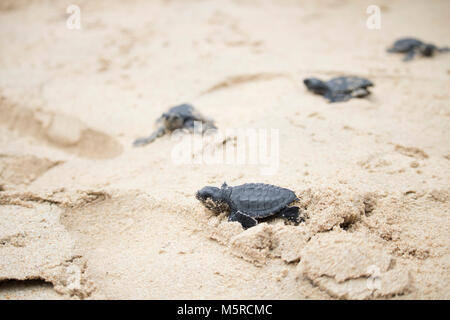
x: 183, y: 116
x: 250, y: 202
x: 412, y: 46
x: 340, y: 88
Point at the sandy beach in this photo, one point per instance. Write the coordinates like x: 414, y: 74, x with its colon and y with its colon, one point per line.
x: 85, y: 215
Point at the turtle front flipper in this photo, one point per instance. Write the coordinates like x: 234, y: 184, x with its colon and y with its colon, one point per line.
x: 444, y: 49
x: 146, y: 140
x: 245, y: 220
x: 391, y: 50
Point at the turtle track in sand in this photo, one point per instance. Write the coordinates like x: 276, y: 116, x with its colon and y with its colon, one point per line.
x: 163, y: 243
x: 23, y: 170
x: 238, y: 80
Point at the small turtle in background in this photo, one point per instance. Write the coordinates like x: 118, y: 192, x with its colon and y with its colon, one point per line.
x: 250, y: 202
x: 339, y: 89
x: 182, y: 116
x: 411, y: 46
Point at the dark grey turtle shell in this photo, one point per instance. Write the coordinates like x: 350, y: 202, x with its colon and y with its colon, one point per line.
x: 182, y: 116
x: 185, y: 111
x: 260, y: 200
x: 405, y: 45
x: 348, y: 84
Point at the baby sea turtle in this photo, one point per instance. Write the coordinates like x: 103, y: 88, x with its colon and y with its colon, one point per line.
x: 412, y: 46
x: 340, y: 88
x: 182, y: 116
x: 250, y: 202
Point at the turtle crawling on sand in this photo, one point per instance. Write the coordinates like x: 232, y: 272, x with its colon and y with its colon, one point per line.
x: 340, y: 88
x: 182, y: 116
x: 412, y: 46
x: 250, y: 202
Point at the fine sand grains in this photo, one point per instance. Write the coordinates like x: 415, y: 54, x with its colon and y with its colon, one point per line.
x: 84, y: 215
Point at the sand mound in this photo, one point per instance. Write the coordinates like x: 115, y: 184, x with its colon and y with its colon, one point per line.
x: 34, y: 245
x: 351, y: 266
x: 22, y: 170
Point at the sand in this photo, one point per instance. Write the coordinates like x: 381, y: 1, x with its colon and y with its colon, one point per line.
x: 84, y: 215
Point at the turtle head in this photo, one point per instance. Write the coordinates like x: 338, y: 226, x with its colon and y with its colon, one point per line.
x: 172, y: 121
x: 214, y: 198
x: 316, y: 85
x: 427, y: 49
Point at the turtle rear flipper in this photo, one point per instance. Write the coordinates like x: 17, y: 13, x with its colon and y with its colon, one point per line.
x: 245, y: 220
x: 409, y: 55
x: 205, y: 126
x: 189, y: 125
x: 360, y: 93
x: 337, y: 97
x: 291, y: 214
x: 146, y: 140
x: 209, y: 126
